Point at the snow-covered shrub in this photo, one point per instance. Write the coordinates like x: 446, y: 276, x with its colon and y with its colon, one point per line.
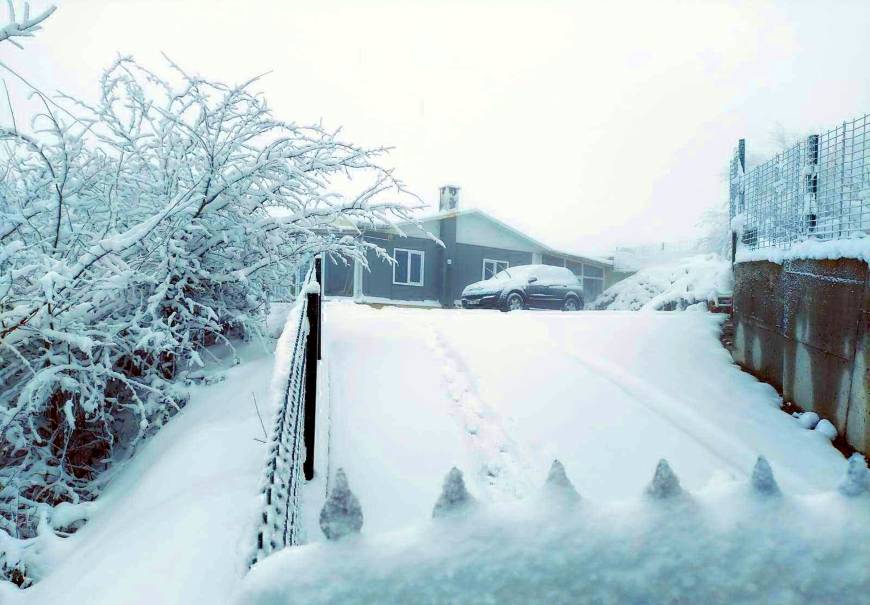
x: 134, y: 232
x: 668, y: 287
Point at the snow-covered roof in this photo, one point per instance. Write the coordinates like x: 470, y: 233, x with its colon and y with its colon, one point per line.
x: 438, y: 216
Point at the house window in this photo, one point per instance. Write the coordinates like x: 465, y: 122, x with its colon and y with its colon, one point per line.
x: 408, y: 268
x: 491, y: 267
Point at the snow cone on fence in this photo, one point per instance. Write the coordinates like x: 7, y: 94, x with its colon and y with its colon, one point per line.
x: 341, y: 514
x: 454, y: 496
x: 665, y: 484
x: 558, y: 487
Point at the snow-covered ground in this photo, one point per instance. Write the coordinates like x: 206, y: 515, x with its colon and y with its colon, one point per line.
x: 676, y: 284
x: 414, y: 392
x: 411, y: 393
x: 176, y: 524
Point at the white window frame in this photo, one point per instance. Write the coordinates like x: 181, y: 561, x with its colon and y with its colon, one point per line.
x: 411, y: 253
x: 506, y: 264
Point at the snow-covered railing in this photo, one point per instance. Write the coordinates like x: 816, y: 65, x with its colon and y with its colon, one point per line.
x: 818, y: 188
x: 291, y: 443
x: 730, y: 542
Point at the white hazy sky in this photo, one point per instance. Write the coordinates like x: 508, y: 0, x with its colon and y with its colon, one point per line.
x: 589, y: 124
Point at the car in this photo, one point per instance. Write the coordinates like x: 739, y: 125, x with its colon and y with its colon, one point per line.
x: 525, y: 287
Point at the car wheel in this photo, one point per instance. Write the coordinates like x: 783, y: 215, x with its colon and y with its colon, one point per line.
x: 571, y: 304
x: 514, y: 302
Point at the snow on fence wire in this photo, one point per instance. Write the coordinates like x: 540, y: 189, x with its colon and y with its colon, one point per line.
x: 291, y: 443
x: 819, y: 188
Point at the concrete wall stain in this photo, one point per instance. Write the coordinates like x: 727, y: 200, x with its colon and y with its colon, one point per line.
x: 804, y: 328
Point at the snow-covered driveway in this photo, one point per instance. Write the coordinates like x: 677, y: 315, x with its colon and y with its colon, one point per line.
x: 416, y: 391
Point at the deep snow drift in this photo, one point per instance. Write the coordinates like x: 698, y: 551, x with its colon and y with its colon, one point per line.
x: 672, y: 286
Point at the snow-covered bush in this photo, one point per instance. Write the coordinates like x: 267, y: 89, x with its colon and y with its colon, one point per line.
x: 134, y: 232
x: 672, y: 286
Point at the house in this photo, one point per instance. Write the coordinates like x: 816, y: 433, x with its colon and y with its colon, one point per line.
x: 476, y: 246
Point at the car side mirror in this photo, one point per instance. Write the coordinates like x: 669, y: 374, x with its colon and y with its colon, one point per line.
x: 533, y: 280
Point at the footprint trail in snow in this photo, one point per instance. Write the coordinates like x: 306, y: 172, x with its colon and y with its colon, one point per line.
x: 502, y: 469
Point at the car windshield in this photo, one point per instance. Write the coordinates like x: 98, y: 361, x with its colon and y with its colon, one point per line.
x: 514, y: 272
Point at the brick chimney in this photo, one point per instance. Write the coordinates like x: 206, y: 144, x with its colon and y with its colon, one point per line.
x: 448, y: 198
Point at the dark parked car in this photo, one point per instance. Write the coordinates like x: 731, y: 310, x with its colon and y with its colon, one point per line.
x: 526, y: 286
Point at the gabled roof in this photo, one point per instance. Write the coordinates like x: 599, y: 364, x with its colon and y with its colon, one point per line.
x: 509, y: 228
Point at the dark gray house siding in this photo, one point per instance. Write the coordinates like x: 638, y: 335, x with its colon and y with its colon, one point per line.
x: 468, y: 264
x: 378, y: 280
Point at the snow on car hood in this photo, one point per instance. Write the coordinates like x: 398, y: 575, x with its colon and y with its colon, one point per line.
x: 491, y: 285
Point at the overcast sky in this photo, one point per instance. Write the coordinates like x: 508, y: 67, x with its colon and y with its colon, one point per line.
x: 589, y: 124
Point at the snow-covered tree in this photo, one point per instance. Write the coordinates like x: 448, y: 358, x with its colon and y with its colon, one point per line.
x: 136, y: 231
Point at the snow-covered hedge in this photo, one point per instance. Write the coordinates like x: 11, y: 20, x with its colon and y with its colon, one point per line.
x: 134, y: 232
x: 669, y: 287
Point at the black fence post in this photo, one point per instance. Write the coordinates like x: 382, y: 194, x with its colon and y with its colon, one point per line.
x: 318, y: 275
x: 312, y: 354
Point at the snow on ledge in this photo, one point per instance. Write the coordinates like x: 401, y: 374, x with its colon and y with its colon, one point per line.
x: 857, y: 248
x: 377, y: 300
x: 727, y: 544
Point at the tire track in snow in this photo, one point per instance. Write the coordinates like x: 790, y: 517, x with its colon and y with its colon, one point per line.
x: 502, y: 470
x: 678, y: 413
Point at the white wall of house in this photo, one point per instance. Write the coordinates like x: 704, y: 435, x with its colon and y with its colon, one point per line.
x: 475, y: 229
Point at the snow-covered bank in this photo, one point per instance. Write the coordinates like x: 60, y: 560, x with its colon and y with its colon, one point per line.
x: 671, y: 286
x: 721, y: 546
x: 176, y: 523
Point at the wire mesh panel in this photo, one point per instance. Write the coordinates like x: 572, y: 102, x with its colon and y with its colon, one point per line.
x: 817, y: 189
x: 279, y: 525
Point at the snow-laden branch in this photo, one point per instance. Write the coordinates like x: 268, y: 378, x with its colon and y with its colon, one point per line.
x: 25, y: 26
x: 134, y: 232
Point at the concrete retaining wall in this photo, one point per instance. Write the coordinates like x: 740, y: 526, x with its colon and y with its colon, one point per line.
x: 803, y: 327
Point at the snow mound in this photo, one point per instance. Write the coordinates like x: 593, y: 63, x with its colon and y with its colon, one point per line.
x: 826, y: 428
x: 722, y: 545
x: 667, y: 287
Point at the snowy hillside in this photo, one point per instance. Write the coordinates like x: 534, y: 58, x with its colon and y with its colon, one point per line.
x: 668, y: 287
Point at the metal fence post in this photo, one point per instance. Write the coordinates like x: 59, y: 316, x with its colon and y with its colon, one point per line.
x: 312, y: 354
x: 318, y: 275
x: 738, y: 167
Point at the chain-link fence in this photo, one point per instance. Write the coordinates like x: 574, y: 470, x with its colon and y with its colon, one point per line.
x: 291, y: 443
x: 819, y: 188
